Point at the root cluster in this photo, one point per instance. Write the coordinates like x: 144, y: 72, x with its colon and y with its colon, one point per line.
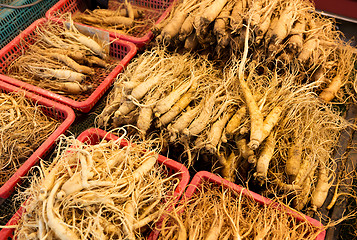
x: 125, y: 18
x: 23, y: 128
x: 218, y: 213
x: 61, y: 59
x: 101, y: 191
x: 282, y: 34
x: 248, y: 124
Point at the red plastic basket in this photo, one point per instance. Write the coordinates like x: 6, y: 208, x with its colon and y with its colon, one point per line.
x: 94, y: 136
x: 121, y: 50
x: 50, y: 108
x: 204, y: 176
x: 155, y: 11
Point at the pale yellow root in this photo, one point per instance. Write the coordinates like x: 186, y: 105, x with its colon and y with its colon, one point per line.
x: 172, y: 29
x: 129, y: 9
x: 264, y: 158
x: 237, y: 17
x: 183, y: 121
x: 303, y: 196
x: 293, y: 161
x: 235, y: 122
x: 63, y: 75
x: 125, y: 108
x: 176, y: 109
x: 144, y: 119
x: 212, y: 12
x: 215, y: 133
x: 118, y: 20
x: 187, y: 27
x: 73, y: 87
x: 256, y: 117
x: 96, y: 61
x: 246, y: 152
x: 88, y: 42
x: 71, y: 63
x: 307, y: 49
x: 128, y: 225
x: 271, y: 120
x: 229, y: 166
x: 165, y: 104
x: 286, y: 187
x: 191, y: 42
x: 330, y: 92
x: 215, y: 230
x: 67, y: 57
x: 56, y: 224
x: 265, y: 21
x: 263, y: 28
x: 321, y: 190
x: 306, y: 167
x: 255, y: 12
x: 284, y: 24
x: 203, y: 119
x: 121, y: 12
x: 146, y: 113
x: 140, y: 91
x: 274, y: 20
x: 296, y: 40
x: 220, y: 26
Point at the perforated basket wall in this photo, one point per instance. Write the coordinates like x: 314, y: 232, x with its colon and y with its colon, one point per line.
x: 94, y: 136
x: 13, y: 21
x: 121, y: 51
x: 154, y: 12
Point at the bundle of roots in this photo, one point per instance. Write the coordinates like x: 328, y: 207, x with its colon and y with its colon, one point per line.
x: 61, y: 59
x: 126, y: 18
x: 217, y: 213
x: 100, y: 191
x: 246, y: 122
x: 280, y: 33
x: 23, y: 128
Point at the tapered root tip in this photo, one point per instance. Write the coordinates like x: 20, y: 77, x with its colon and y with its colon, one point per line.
x: 253, y: 144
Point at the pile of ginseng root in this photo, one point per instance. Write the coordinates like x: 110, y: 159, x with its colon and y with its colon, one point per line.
x: 126, y: 18
x: 101, y: 191
x: 246, y: 122
x: 280, y: 32
x: 23, y: 128
x: 62, y: 60
x: 214, y: 212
